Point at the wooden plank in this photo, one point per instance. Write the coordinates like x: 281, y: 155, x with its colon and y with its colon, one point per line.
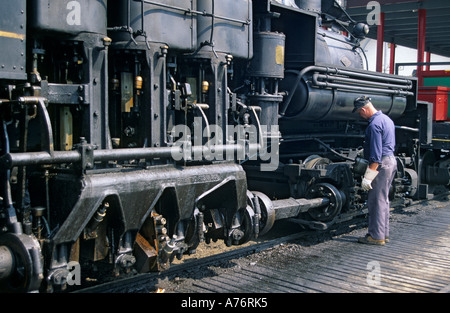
x: 416, y: 260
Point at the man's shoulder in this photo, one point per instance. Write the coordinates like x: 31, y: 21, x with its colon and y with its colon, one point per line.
x: 380, y: 116
x: 380, y: 122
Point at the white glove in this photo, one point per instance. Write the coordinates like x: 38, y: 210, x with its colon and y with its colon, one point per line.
x: 369, y: 176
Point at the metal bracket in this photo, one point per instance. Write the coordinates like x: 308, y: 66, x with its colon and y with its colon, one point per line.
x: 87, y: 154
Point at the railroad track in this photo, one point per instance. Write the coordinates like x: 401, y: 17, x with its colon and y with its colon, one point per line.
x: 148, y: 283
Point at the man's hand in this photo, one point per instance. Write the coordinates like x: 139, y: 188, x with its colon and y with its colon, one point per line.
x: 369, y: 176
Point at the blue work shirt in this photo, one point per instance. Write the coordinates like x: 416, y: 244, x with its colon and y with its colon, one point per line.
x: 380, y: 138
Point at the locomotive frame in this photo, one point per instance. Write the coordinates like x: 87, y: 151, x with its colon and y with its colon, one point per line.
x: 133, y: 130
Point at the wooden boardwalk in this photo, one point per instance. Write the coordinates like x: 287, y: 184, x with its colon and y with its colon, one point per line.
x: 416, y: 260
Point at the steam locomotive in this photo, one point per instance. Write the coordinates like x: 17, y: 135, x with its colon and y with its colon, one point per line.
x: 133, y: 130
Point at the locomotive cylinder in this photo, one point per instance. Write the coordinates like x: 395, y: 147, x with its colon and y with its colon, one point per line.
x: 267, y: 66
x: 226, y: 26
x: 269, y: 108
x: 268, y: 60
x: 69, y: 17
x: 164, y: 21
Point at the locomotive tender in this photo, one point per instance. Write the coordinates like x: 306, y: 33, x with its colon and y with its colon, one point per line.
x: 133, y: 130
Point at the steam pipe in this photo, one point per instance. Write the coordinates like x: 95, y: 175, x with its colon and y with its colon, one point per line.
x: 371, y: 76
x: 355, y: 81
x: 316, y: 82
x: 9, y: 160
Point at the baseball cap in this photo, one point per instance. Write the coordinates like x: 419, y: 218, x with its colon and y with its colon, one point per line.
x: 360, y: 102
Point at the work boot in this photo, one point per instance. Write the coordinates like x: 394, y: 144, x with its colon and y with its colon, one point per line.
x: 386, y: 240
x: 369, y: 240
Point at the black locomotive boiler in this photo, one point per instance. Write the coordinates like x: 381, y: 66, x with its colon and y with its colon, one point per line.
x: 133, y: 130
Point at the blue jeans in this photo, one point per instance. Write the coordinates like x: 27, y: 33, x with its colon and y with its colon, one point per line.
x: 378, y: 199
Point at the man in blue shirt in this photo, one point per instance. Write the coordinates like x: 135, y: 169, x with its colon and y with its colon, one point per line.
x: 379, y: 149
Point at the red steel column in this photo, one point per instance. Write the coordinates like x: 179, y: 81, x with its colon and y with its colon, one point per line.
x: 380, y: 41
x: 421, y: 30
x: 392, y: 59
x: 427, y: 67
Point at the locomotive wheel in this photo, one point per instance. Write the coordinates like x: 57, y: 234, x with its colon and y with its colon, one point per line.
x: 267, y: 218
x: 427, y: 159
x: 194, y: 228
x: 336, y: 200
x: 27, y: 271
x: 244, y: 232
x: 413, y: 178
x: 314, y: 160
